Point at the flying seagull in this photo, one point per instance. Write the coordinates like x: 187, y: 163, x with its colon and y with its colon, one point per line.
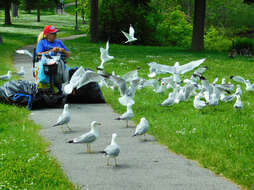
x: 89, y: 137
x: 26, y: 52
x: 105, y: 57
x: 112, y: 150
x: 130, y: 37
x: 64, y: 118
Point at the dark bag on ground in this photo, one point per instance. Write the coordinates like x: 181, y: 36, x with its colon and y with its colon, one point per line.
x: 25, y: 93
x: 90, y: 93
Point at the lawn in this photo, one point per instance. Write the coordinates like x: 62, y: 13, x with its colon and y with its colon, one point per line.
x: 24, y: 161
x: 220, y: 138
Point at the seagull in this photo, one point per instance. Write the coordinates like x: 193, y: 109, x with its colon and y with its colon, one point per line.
x: 74, y: 80
x: 128, y: 115
x: 90, y: 76
x: 21, y: 71
x: 170, y: 100
x: 130, y: 37
x: 112, y: 150
x: 249, y: 86
x: 6, y: 77
x: 199, y: 104
x: 142, y: 127
x: 105, y: 56
x: 64, y: 118
x: 89, y: 137
x: 177, y: 69
x: 238, y: 104
x: 26, y: 52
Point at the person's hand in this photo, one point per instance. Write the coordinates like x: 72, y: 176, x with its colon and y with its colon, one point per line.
x: 55, y: 49
x: 61, y: 50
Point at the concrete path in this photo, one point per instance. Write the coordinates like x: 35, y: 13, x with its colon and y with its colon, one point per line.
x: 142, y: 165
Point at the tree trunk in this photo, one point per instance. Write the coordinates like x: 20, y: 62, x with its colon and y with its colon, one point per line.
x: 198, y: 25
x: 83, y: 16
x: 14, y: 8
x: 7, y: 12
x: 76, y: 26
x: 94, y: 21
x: 38, y: 10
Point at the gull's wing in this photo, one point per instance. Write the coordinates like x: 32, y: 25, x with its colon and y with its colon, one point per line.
x: 162, y: 68
x: 107, y: 45
x: 85, y: 138
x: 132, y: 75
x: 200, y: 70
x: 127, y: 35
x: 24, y: 52
x: 63, y: 118
x: 112, y: 150
x: 238, y: 79
x: 190, y: 66
x: 121, y: 84
x: 131, y: 31
x: 90, y: 76
x: 141, y: 129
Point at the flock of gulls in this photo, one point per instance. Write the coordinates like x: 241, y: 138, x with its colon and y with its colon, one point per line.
x: 197, y: 86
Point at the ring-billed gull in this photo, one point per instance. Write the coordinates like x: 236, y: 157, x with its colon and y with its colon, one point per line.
x: 21, y: 72
x: 199, y: 104
x: 64, y: 118
x: 249, y: 86
x: 130, y: 37
x: 89, y: 137
x: 6, y: 77
x: 128, y: 115
x: 141, y: 128
x: 105, y: 56
x: 238, y: 104
x: 112, y: 150
x: 26, y: 52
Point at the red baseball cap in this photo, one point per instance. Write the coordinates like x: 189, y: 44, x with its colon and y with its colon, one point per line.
x: 49, y: 30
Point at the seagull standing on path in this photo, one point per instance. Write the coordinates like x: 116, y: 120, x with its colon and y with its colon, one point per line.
x: 64, y: 118
x: 130, y: 37
x: 112, y: 150
x: 128, y: 115
x: 6, y: 77
x: 89, y: 137
x: 141, y: 128
x: 21, y: 71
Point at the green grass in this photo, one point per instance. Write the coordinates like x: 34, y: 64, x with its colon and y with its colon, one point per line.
x: 220, y: 138
x: 24, y: 162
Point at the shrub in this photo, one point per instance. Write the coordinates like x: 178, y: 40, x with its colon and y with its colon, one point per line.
x: 215, y: 41
x: 174, y: 29
x: 243, y: 45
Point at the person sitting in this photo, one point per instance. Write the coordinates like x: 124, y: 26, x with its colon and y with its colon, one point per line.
x: 48, y: 44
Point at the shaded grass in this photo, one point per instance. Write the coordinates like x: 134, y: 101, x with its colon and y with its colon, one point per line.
x: 220, y: 138
x: 24, y: 161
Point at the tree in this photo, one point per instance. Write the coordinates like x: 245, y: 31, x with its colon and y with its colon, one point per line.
x: 14, y: 8
x: 38, y: 10
x: 7, y: 7
x: 198, y: 25
x: 94, y: 21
